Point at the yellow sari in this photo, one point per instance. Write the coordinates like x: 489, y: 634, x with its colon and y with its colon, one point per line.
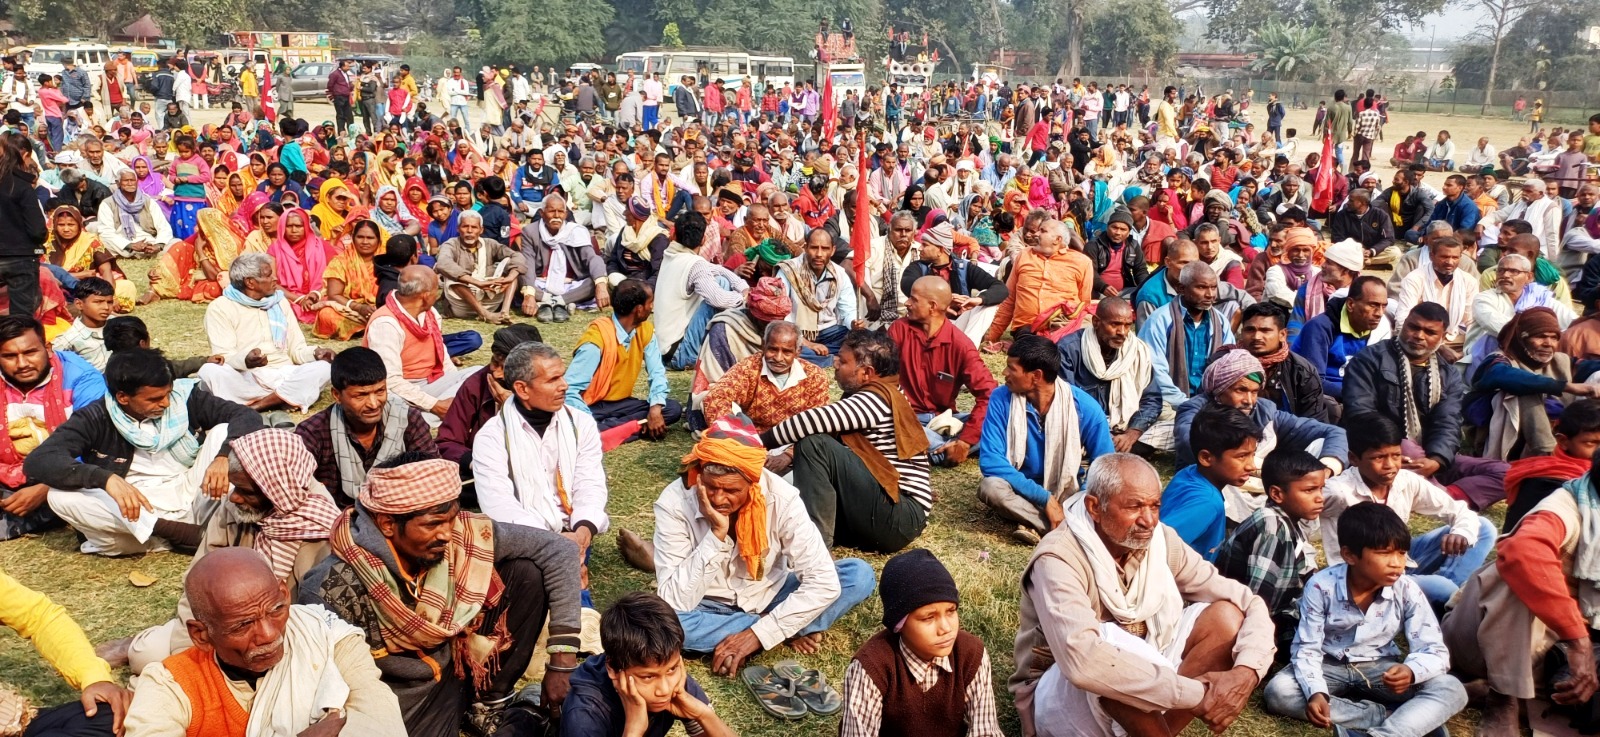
x: 178, y: 275
x: 79, y: 256
x: 330, y: 223
x: 360, y: 279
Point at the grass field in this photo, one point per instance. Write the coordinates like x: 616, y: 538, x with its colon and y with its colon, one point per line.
x: 970, y: 541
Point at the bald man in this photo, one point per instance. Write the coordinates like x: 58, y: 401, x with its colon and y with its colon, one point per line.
x: 405, y: 332
x: 937, y: 360
x: 311, y: 672
x: 1114, y: 367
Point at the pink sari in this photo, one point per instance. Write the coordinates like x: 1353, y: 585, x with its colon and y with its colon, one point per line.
x: 300, y: 266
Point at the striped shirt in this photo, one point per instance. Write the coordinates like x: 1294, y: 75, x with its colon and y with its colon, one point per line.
x: 866, y: 413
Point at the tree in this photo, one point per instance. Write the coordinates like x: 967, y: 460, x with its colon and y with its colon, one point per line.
x: 1542, y: 39
x: 1503, y: 14
x: 670, y: 37
x: 1356, y: 30
x: 519, y: 30
x: 1125, y: 39
x: 1289, y: 53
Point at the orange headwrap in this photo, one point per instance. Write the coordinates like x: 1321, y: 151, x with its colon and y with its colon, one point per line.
x: 733, y: 442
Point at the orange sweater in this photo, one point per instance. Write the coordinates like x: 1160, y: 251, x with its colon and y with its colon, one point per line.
x: 1039, y: 283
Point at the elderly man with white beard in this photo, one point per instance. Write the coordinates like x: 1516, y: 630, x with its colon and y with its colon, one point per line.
x: 564, y: 268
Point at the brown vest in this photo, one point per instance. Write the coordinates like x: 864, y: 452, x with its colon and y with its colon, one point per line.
x: 907, y: 710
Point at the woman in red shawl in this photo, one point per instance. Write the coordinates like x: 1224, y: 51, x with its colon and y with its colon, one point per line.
x: 414, y: 198
x: 301, y: 256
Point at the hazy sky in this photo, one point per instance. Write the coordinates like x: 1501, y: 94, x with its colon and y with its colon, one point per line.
x: 1450, y: 25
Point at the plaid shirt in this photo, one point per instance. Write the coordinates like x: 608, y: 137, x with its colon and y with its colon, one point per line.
x: 318, y: 437
x: 1368, y: 123
x: 863, y: 710
x: 1268, y: 553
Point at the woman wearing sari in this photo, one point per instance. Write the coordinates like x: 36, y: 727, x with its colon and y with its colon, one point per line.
x: 75, y: 253
x: 384, y: 172
x: 335, y: 200
x: 230, y: 194
x: 464, y: 160
x: 256, y: 170
x: 282, y: 190
x: 209, y: 251
x: 414, y: 197
x: 350, y: 284
x: 265, y: 228
x: 151, y: 184
x: 301, y: 255
x: 391, y: 216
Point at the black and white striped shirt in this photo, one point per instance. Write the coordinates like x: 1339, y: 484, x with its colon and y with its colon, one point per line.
x: 860, y: 412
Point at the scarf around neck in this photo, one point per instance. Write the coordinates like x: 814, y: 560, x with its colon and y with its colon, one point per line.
x: 1178, y: 343
x: 1127, y: 375
x: 1151, y: 597
x: 277, y: 309
x: 424, y: 329
x: 1063, y: 442
x: 171, y: 433
x: 130, y: 212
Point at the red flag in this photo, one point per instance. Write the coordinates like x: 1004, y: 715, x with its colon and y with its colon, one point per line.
x: 269, y: 98
x: 1322, y: 188
x: 860, y: 227
x: 827, y: 108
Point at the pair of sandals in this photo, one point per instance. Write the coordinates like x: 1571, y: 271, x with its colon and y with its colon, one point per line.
x: 789, y: 691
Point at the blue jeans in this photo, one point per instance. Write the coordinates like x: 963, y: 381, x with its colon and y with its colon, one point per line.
x: 63, y: 277
x: 459, y: 112
x: 935, y: 439
x: 1420, y: 710
x: 57, y: 131
x: 712, y: 622
x: 694, y: 338
x: 1440, y: 575
x: 832, y: 337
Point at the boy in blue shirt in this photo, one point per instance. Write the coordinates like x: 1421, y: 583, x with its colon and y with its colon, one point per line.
x: 638, y: 687
x: 1346, y: 671
x: 1224, y: 442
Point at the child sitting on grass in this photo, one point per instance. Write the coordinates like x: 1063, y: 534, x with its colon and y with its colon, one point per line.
x: 922, y: 674
x: 1224, y: 442
x: 1345, y: 670
x: 1444, y: 557
x: 95, y: 300
x: 1530, y: 480
x: 638, y: 687
x: 1268, y: 551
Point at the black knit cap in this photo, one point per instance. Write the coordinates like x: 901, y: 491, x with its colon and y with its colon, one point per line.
x: 912, y: 580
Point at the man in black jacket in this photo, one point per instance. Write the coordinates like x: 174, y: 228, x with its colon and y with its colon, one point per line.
x: 1113, y: 242
x: 1291, y: 381
x: 81, y: 192
x: 975, y: 296
x: 153, y: 466
x: 1370, y: 226
x: 1404, y: 199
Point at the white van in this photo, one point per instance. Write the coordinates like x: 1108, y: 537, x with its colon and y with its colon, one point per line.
x: 51, y: 58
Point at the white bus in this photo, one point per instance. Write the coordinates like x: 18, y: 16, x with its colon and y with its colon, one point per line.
x: 729, y: 65
x: 51, y: 58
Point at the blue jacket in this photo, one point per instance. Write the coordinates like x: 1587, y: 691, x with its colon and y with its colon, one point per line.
x: 1291, y: 431
x: 1461, y: 215
x: 1079, y: 375
x: 1092, y: 428
x: 1328, y: 348
x: 87, y: 384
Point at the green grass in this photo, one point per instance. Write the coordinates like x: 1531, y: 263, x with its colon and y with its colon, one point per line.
x: 969, y: 540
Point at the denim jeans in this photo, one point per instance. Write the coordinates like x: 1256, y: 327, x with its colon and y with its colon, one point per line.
x: 832, y: 337
x: 1440, y: 575
x: 1358, y: 699
x: 459, y: 112
x: 712, y: 622
x: 63, y: 277
x: 935, y: 439
x: 694, y: 338
x: 57, y: 132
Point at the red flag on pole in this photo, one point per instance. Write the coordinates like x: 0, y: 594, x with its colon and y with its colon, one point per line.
x: 860, y: 225
x: 1322, y: 188
x: 827, y: 108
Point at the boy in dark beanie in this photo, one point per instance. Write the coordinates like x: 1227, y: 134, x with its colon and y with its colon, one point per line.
x: 922, y: 675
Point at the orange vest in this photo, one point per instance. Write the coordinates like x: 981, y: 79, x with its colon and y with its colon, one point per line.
x: 214, y: 712
x: 417, y: 357
x: 618, y: 370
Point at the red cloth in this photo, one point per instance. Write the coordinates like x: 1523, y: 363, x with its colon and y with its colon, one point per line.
x: 56, y: 399
x: 426, y: 330
x: 1530, y: 563
x: 1157, y: 231
x: 1556, y: 466
x: 933, y: 371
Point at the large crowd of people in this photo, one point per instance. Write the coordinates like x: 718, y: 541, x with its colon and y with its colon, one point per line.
x: 1316, y: 353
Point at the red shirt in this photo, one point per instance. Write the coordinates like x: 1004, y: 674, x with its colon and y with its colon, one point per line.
x: 933, y: 370
x: 1530, y: 563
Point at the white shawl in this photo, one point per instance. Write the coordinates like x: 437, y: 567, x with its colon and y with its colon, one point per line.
x: 530, y: 479
x: 1152, y: 595
x: 303, y: 687
x: 1128, y: 375
x: 1063, y: 448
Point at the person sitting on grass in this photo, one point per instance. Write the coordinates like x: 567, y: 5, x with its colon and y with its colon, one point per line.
x: 1346, y: 670
x: 937, y: 361
x: 276, y: 507
x: 102, y: 705
x: 1530, y: 480
x: 405, y: 331
x: 267, y: 363
x: 861, y: 463
x: 1177, y: 642
x: 738, y: 559
x: 605, y: 367
x: 1224, y: 445
x: 154, y: 459
x: 921, y: 637
x: 260, y: 662
x: 1269, y: 551
x: 1038, y: 434
x: 481, y: 397
x: 363, y: 426
x: 1444, y: 557
x: 479, y: 273
x: 95, y: 301
x: 771, y: 386
x: 41, y: 388
x: 822, y: 298
x: 638, y: 687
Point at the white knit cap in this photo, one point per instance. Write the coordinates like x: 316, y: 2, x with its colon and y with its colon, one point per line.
x: 1347, y: 253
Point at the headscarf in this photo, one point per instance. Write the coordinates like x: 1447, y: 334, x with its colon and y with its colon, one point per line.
x: 941, y: 235
x: 225, y: 245
x: 1295, y: 275
x: 733, y: 442
x: 768, y: 251
x: 244, y: 218
x: 281, y: 467
x: 395, y: 223
x: 768, y: 300
x: 1228, y: 369
x: 1526, y: 324
x: 300, y: 269
x: 418, y: 211
x: 77, y: 255
x: 151, y: 184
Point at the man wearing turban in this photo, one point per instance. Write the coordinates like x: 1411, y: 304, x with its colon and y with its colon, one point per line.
x: 453, y: 601
x: 730, y: 538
